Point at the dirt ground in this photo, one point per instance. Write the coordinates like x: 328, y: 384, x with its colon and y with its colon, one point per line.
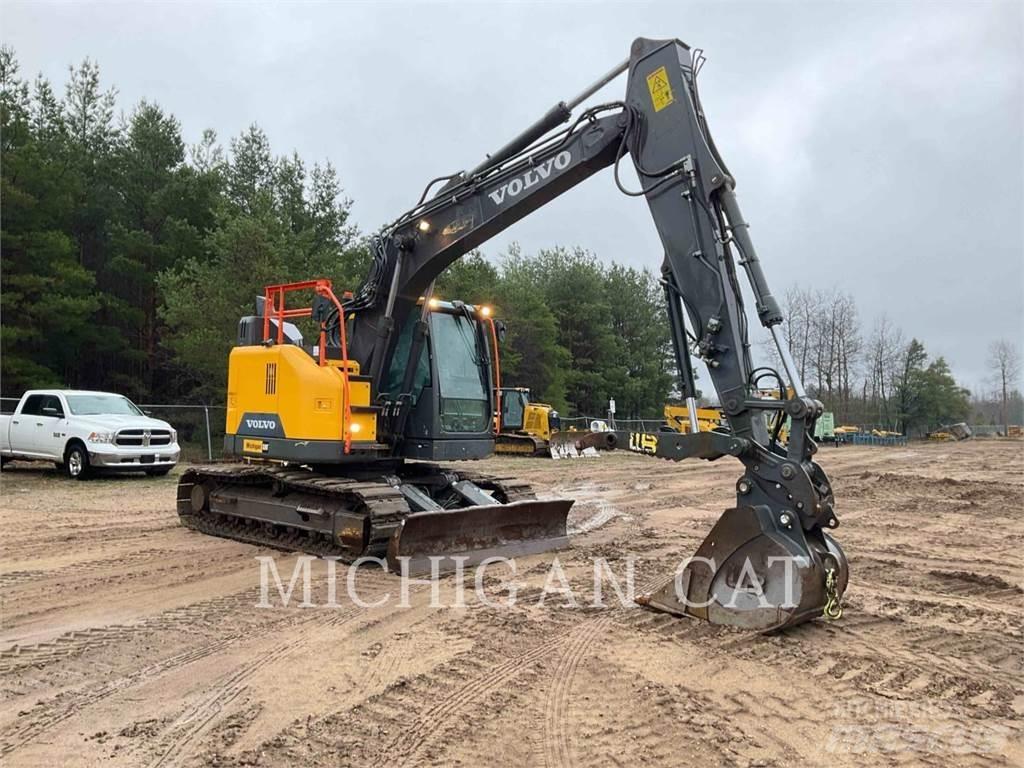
x: 128, y: 640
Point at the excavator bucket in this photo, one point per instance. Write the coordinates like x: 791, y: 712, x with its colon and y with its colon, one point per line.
x: 478, y: 532
x: 754, y: 573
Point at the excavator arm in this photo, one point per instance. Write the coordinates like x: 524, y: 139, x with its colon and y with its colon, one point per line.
x: 768, y: 562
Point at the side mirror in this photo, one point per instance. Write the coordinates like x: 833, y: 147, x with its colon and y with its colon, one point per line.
x: 501, y: 329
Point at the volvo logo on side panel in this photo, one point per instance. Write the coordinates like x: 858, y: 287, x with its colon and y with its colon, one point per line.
x: 261, y: 425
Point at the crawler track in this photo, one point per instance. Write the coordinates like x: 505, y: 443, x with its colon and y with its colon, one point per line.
x: 357, y: 517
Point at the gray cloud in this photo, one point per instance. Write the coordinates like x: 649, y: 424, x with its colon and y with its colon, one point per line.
x: 877, y: 147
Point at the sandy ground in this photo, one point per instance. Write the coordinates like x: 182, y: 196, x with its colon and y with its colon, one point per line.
x: 127, y: 640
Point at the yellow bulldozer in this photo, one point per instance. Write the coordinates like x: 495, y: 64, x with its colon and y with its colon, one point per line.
x: 951, y: 432
x: 529, y: 428
x: 525, y: 427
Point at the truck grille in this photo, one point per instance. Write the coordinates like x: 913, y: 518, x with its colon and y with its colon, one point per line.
x: 141, y: 438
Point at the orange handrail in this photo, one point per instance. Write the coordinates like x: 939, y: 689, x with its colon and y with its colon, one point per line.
x: 497, y: 377
x: 326, y: 291
x: 274, y: 303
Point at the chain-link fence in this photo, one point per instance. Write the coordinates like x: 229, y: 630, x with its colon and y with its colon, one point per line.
x: 627, y: 425
x: 200, y: 427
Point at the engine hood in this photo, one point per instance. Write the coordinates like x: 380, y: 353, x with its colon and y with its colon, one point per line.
x: 112, y: 423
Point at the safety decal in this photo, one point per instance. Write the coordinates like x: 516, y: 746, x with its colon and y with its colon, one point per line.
x: 661, y: 91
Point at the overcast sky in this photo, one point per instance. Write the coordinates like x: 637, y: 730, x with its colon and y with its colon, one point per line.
x: 877, y: 147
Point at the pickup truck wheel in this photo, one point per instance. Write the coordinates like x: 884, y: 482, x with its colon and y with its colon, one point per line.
x: 76, y: 462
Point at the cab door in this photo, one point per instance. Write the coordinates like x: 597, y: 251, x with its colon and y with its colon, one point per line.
x: 513, y: 409
x: 25, y: 424
x: 48, y: 439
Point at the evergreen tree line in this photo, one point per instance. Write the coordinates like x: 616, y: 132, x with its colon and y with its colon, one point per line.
x: 128, y: 258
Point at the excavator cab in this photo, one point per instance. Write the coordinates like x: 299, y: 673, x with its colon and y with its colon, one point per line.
x: 449, y: 388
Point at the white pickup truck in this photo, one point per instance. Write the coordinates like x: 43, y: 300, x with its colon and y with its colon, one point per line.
x: 82, y: 432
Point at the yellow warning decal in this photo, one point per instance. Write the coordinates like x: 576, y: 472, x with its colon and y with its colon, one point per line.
x: 642, y: 442
x: 252, y: 446
x: 661, y: 91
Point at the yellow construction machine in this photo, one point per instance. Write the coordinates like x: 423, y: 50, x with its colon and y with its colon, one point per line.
x: 529, y: 428
x: 713, y: 419
x: 524, y: 427
x: 951, y: 432
x: 709, y: 419
x: 337, y: 431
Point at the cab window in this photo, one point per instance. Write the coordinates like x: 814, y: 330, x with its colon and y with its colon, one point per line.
x: 465, y: 401
x: 33, y: 405
x: 513, y: 404
x: 51, y: 407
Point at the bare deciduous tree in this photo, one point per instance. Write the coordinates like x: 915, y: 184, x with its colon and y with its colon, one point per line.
x: 801, y: 309
x: 882, y: 363
x: 1004, y: 360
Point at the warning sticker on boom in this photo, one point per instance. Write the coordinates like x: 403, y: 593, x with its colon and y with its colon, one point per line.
x: 661, y: 91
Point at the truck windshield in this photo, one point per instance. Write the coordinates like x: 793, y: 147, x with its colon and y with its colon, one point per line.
x: 98, y: 405
x: 465, y: 404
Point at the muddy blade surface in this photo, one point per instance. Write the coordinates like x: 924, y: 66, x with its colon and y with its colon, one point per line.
x: 499, y: 530
x: 750, y: 573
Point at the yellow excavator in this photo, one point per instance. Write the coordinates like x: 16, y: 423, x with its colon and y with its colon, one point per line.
x: 709, y: 419
x: 337, y: 428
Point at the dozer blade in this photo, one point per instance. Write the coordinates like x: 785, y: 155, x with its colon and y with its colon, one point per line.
x: 574, y: 445
x: 477, y: 533
x: 754, y: 573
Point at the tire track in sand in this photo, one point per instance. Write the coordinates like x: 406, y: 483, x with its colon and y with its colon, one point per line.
x: 558, y: 752
x: 430, y: 722
x: 81, y: 641
x: 68, y: 704
x: 195, y: 721
x: 556, y: 743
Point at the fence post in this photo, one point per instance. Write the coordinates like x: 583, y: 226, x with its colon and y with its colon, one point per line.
x: 209, y: 444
